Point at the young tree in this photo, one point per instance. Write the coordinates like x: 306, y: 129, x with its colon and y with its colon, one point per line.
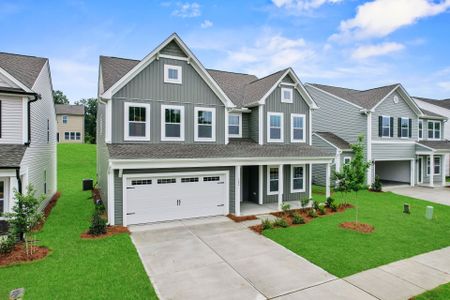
x: 90, y: 120
x: 59, y: 97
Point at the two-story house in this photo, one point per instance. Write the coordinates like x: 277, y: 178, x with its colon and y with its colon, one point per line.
x: 176, y: 140
x: 400, y: 148
x: 70, y: 123
x: 27, y: 128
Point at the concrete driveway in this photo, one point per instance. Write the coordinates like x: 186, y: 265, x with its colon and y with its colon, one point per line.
x: 215, y: 258
x: 438, y: 194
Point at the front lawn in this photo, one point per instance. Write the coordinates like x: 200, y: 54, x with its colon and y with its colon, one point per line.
x: 442, y: 292
x: 397, y: 236
x: 78, y: 269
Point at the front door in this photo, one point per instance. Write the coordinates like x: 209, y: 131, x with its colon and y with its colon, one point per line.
x: 420, y: 171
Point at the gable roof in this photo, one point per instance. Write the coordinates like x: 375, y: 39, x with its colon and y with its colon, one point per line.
x: 432, y: 115
x: 67, y: 109
x: 334, y: 140
x: 23, y: 68
x: 436, y: 145
x: 445, y: 103
x: 257, y: 89
x: 11, y: 155
x: 114, y: 68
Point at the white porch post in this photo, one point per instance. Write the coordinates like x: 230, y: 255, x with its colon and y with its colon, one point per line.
x: 13, y: 186
x: 443, y: 168
x: 280, y: 185
x: 260, y: 184
x: 327, y: 180
x: 310, y: 181
x: 237, y: 190
x: 413, y: 172
x: 431, y: 170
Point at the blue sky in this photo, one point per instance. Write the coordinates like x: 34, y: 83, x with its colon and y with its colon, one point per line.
x: 350, y: 43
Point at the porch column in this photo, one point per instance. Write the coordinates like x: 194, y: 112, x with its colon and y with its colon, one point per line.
x: 431, y: 169
x: 280, y: 185
x: 413, y: 172
x: 327, y: 180
x: 13, y: 186
x: 310, y: 181
x: 260, y: 184
x: 237, y: 190
x: 444, y: 168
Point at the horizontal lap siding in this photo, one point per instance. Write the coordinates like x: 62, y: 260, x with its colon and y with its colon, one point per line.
x: 437, y: 179
x: 11, y: 120
x: 393, y: 151
x: 319, y: 170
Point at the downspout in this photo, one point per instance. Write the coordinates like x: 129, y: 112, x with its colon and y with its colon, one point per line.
x: 19, y: 181
x: 36, y: 97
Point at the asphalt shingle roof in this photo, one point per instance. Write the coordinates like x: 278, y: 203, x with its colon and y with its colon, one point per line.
x: 445, y: 103
x: 237, y: 148
x: 67, y: 109
x: 432, y: 114
x: 11, y: 155
x: 335, y: 140
x: 114, y: 68
x: 24, y: 68
x: 437, y: 145
x: 366, y: 98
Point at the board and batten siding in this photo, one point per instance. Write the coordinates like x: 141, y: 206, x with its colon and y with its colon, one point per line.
x: 173, y: 49
x: 254, y: 123
x: 246, y: 125
x: 12, y: 114
x: 298, y: 106
x: 395, y: 110
x: 149, y: 87
x: 118, y: 190
x: 102, y: 154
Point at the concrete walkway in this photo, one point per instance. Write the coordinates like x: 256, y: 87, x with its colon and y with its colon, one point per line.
x: 438, y: 194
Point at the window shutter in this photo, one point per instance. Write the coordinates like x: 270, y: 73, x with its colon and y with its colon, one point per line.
x: 380, y: 126
x: 410, y: 128
x: 392, y: 127
x: 399, y: 129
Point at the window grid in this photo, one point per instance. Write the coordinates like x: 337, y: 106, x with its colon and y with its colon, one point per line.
x: 211, y: 178
x: 167, y: 180
x: 189, y: 179
x: 141, y: 182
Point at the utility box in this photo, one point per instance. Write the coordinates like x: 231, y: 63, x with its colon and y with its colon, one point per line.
x: 429, y: 212
x: 88, y: 184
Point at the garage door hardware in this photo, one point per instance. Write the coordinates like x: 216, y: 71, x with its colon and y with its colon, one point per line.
x: 130, y: 187
x: 131, y: 213
x: 178, y: 202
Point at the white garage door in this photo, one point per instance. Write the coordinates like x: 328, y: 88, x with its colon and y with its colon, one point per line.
x: 162, y: 198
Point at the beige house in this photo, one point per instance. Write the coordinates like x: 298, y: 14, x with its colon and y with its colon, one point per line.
x: 70, y: 123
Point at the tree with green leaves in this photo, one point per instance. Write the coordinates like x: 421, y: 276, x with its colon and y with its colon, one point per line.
x: 60, y: 98
x: 90, y: 118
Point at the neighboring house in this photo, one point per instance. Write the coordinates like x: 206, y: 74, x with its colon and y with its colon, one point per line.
x: 441, y: 107
x: 70, y: 123
x: 178, y: 141
x: 27, y: 128
x: 400, y: 148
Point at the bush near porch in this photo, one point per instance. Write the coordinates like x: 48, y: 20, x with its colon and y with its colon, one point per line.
x: 396, y: 235
x: 107, y: 268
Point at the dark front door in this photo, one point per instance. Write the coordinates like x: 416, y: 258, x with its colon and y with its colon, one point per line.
x: 250, y: 183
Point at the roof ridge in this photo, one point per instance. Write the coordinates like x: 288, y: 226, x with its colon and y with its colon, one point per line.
x: 233, y: 72
x: 333, y: 86
x: 284, y: 70
x: 23, y: 55
x: 116, y: 57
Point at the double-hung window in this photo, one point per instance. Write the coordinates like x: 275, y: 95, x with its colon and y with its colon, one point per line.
x: 172, y: 74
x: 403, y: 128
x: 434, y: 130
x: 297, y: 128
x: 235, y: 125
x: 137, y: 121
x: 420, y: 129
x: 287, y: 95
x: 437, y: 165
x: 297, y: 178
x: 275, y: 130
x: 205, y: 124
x: 273, y: 179
x: 172, y: 123
x: 385, y: 126
x: 2, y: 197
x: 65, y: 119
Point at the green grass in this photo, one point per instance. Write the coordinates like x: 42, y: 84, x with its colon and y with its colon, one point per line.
x: 442, y: 292
x: 78, y: 269
x: 396, y: 236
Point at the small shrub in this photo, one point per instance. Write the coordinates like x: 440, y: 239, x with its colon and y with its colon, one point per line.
x: 316, y: 205
x: 98, y: 224
x: 312, y: 213
x: 304, y: 202
x: 100, y: 207
x: 7, y: 243
x: 285, y: 207
x: 329, y: 202
x: 321, y: 210
x: 377, y: 186
x: 280, y: 222
x: 266, y: 224
x: 333, y: 207
x: 297, y: 219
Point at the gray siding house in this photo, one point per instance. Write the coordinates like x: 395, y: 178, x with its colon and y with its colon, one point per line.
x: 176, y: 140
x: 27, y: 128
x: 404, y: 143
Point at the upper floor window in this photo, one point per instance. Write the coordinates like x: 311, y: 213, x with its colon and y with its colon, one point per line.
x: 287, y: 95
x: 172, y: 123
x: 297, y: 179
x: 275, y: 127
x: 385, y: 126
x: 420, y: 129
x: 205, y: 124
x: 65, y: 119
x: 234, y: 125
x: 172, y: 74
x: 137, y: 122
x: 297, y: 128
x: 437, y: 165
x: 404, y: 127
x: 434, y: 130
x: 273, y: 178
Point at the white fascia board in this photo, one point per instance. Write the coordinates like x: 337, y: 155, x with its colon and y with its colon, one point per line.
x: 411, y: 103
x: 336, y: 97
x: 15, y: 81
x: 326, y: 141
x: 421, y: 145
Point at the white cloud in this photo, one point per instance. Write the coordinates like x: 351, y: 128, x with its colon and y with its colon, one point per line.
x: 367, y: 51
x: 187, y: 10
x: 380, y: 18
x: 206, y: 24
x: 302, y: 5
x: 444, y: 85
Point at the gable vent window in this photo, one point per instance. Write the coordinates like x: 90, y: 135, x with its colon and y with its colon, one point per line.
x: 189, y: 179
x: 172, y: 74
x: 141, y: 182
x: 385, y: 126
x: 211, y: 178
x: 167, y: 180
x: 137, y: 121
x: 287, y: 95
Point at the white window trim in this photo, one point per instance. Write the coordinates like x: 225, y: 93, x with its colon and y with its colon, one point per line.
x: 213, y: 124
x: 349, y: 158
x: 65, y: 117
x: 268, y: 180
x: 240, y: 125
x: 292, y: 179
x: 434, y: 165
x: 418, y: 130
x: 292, y: 128
x: 166, y: 74
x: 281, y: 139
x: 434, y: 131
x: 126, y: 120
x: 291, y: 91
x: 382, y: 127
x: 163, y: 123
x: 401, y: 129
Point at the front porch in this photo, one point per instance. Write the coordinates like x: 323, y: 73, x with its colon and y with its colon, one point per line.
x: 250, y: 208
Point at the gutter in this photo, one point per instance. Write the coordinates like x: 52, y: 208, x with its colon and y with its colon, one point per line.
x: 36, y: 97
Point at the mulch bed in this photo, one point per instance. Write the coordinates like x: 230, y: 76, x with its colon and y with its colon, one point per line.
x: 18, y: 255
x: 47, y: 211
x: 303, y: 212
x: 359, y: 227
x: 241, y: 218
x: 110, y: 231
